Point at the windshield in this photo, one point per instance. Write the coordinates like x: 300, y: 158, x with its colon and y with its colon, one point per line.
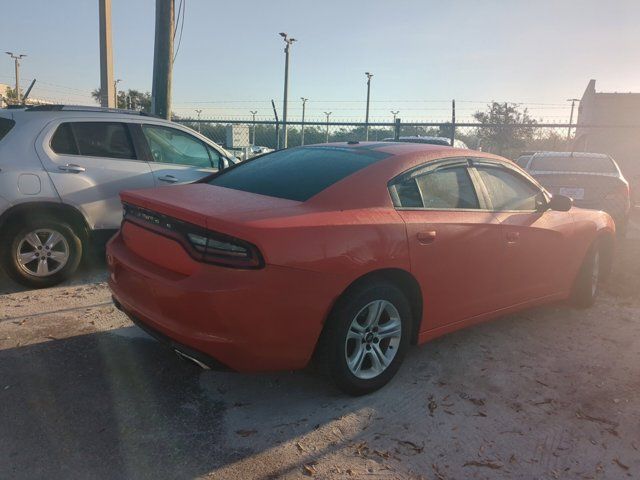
x: 573, y: 164
x: 296, y: 174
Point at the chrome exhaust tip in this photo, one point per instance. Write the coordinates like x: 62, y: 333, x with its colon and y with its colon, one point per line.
x: 184, y: 356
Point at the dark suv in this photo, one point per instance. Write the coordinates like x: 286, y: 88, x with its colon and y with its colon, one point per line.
x: 593, y: 180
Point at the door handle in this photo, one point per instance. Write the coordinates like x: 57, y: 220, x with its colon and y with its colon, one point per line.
x: 71, y: 168
x: 427, y: 237
x: 513, y: 237
x: 168, y: 179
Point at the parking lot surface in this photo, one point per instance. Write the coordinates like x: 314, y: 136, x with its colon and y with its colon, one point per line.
x: 548, y: 393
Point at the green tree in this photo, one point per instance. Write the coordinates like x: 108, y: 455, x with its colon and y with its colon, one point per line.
x: 506, y: 129
x: 131, y: 99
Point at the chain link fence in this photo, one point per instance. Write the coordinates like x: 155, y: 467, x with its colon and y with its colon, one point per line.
x: 507, y: 139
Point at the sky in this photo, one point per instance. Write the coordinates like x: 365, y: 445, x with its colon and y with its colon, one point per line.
x: 422, y: 53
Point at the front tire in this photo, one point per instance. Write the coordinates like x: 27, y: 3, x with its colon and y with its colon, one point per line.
x: 41, y: 252
x: 587, y: 284
x: 366, y: 337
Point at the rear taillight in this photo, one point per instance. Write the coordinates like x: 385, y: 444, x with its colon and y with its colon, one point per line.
x: 203, y: 245
x: 225, y: 250
x: 621, y: 191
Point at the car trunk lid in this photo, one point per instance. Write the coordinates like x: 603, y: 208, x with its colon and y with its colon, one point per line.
x: 587, y: 188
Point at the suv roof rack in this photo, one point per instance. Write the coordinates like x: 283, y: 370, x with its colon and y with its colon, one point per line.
x: 84, y: 108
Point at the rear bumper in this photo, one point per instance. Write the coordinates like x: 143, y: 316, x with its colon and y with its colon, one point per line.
x: 246, y: 320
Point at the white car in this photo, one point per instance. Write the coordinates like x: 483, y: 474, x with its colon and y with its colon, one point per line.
x: 62, y: 169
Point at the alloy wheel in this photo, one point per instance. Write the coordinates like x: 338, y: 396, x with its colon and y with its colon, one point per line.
x: 373, y: 339
x: 42, y: 252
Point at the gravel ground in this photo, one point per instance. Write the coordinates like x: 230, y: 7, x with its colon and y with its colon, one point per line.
x: 546, y: 394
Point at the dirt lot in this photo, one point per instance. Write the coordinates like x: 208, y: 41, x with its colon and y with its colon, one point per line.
x: 550, y: 393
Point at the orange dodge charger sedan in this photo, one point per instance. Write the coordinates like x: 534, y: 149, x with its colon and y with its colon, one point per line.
x: 350, y: 253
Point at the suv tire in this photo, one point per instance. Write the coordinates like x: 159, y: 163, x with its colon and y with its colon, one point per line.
x: 42, y: 252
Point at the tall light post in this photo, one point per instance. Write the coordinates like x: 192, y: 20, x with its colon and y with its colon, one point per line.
x: 115, y: 90
x: 304, y: 104
x: 366, y: 120
x: 573, y: 104
x: 16, y: 59
x: 198, y: 112
x: 328, y: 114
x: 253, y: 115
x: 288, y: 42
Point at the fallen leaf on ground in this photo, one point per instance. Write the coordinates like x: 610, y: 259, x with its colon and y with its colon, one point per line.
x: 309, y: 468
x: 620, y: 464
x: 246, y: 433
x: 486, y: 464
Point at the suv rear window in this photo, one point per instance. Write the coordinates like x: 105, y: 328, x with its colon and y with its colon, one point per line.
x: 296, y: 174
x: 93, y: 139
x: 573, y: 164
x: 5, y: 126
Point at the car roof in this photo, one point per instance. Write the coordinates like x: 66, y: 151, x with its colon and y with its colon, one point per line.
x: 363, y: 188
x: 569, y: 155
x: 49, y: 112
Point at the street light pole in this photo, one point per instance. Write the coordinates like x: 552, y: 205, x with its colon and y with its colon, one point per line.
x: 366, y: 120
x: 288, y: 42
x: 115, y: 91
x: 198, y: 112
x: 395, y: 114
x: 573, y: 104
x: 16, y: 60
x: 304, y: 103
x: 328, y: 114
x: 253, y: 114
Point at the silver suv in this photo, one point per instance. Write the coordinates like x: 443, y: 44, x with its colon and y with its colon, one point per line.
x: 62, y: 169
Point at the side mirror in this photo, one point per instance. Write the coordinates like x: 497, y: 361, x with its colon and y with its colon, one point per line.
x: 560, y: 203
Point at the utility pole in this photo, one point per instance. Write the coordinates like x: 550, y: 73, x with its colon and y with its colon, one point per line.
x: 288, y: 42
x: 115, y: 91
x: 304, y: 104
x: 16, y: 61
x: 366, y: 120
x: 253, y: 115
x: 107, y: 92
x: 453, y: 121
x: 573, y: 104
x: 328, y: 114
x: 163, y: 59
x: 198, y: 112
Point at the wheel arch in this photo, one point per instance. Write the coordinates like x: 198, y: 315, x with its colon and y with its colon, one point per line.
x: 402, y: 279
x: 59, y: 211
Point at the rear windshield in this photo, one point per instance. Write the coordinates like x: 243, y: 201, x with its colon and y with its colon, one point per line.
x: 573, y: 164
x: 296, y: 174
x: 5, y: 126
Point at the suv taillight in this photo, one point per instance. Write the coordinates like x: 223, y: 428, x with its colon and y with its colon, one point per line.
x: 203, y: 245
x: 621, y: 191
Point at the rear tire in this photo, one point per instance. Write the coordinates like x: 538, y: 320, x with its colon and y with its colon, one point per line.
x: 41, y: 252
x: 366, y: 337
x: 587, y: 284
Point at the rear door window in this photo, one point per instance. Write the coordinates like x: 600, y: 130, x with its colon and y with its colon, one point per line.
x: 63, y: 142
x: 6, y: 124
x: 442, y: 188
x: 93, y: 139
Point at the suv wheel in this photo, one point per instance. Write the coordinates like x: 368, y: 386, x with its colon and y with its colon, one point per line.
x: 41, y: 252
x: 367, y: 337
